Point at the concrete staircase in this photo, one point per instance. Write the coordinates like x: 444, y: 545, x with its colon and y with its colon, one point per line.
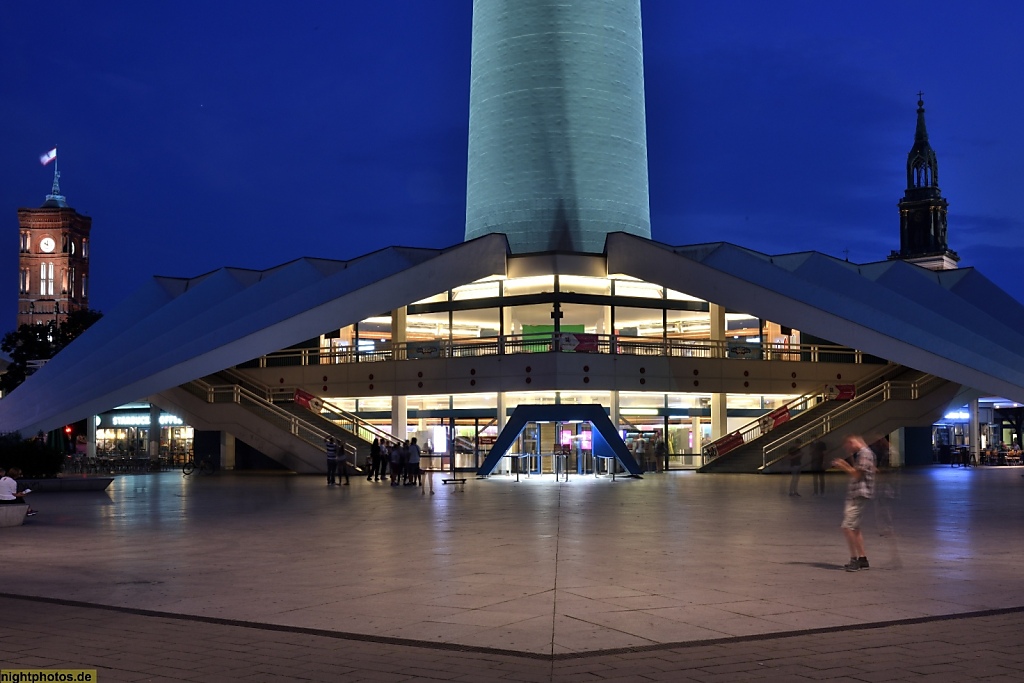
x: 901, y: 397
x: 287, y: 434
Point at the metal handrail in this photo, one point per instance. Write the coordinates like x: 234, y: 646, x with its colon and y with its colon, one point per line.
x: 257, y: 388
x: 310, y: 433
x: 339, y: 416
x: 765, y: 423
x: 603, y: 344
x: 367, y: 431
x: 891, y: 389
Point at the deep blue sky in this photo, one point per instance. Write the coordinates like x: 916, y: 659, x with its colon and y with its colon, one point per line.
x: 204, y: 134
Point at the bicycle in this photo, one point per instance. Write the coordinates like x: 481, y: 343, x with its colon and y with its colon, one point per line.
x: 203, y: 465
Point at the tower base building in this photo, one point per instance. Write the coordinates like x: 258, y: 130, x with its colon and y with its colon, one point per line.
x: 559, y: 336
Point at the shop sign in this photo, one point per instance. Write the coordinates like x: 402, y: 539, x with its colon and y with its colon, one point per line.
x: 423, y: 350
x: 142, y: 420
x: 743, y: 350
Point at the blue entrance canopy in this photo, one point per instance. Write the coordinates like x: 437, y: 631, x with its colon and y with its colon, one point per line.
x: 607, y: 442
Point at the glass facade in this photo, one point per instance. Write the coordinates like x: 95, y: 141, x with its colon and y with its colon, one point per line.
x: 617, y: 315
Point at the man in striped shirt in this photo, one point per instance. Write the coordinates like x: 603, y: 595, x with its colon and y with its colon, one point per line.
x: 332, y: 459
x: 859, y: 491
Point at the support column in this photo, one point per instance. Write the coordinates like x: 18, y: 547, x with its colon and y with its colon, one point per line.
x: 154, y: 431
x: 719, y: 415
x: 400, y: 417
x: 975, y: 427
x: 504, y: 466
x: 90, y: 429
x: 719, y: 421
x: 227, y: 451
x: 506, y: 326
x: 613, y: 410
x: 398, y: 327
x: 399, y: 404
x: 698, y: 436
x: 897, y: 448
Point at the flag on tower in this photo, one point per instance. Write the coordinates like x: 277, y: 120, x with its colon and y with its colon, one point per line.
x: 48, y: 157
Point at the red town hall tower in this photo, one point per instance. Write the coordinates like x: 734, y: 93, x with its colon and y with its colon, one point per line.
x: 53, y: 263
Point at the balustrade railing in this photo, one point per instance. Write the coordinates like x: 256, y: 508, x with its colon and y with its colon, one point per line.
x: 848, y: 412
x: 563, y: 343
x: 782, y: 414
x: 266, y: 410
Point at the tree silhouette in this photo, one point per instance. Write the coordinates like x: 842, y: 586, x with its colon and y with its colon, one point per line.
x: 31, y: 345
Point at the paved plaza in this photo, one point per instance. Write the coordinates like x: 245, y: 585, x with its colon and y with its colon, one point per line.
x: 676, y: 576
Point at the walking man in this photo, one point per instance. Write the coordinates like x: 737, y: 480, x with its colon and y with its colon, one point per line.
x: 818, y: 466
x: 332, y: 459
x: 859, y: 491
x: 796, y: 463
x: 413, y: 464
x: 373, y: 471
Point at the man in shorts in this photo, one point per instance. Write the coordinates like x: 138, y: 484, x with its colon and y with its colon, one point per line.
x: 859, y: 491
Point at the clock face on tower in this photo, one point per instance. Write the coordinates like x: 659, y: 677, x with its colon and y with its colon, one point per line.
x: 47, y: 244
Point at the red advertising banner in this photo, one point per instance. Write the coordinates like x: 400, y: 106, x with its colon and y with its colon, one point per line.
x: 778, y: 416
x: 577, y: 342
x: 841, y: 392
x: 308, y: 401
x: 728, y: 443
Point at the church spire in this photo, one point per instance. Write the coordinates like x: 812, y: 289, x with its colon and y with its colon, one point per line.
x: 923, y: 208
x: 922, y: 164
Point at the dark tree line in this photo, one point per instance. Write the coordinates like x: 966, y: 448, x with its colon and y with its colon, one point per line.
x: 32, y: 343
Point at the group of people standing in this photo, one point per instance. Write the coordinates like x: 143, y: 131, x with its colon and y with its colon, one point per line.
x: 401, y: 460
x: 796, y: 464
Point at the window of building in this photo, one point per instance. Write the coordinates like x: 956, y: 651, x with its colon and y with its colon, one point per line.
x: 85, y: 291
x: 63, y: 280
x: 85, y: 248
x: 426, y: 326
x: 638, y: 322
x: 23, y: 289
x: 632, y: 287
x: 742, y: 326
x: 436, y: 298
x: 477, y: 290
x: 46, y: 279
x: 482, y: 322
x: 679, y: 296
x: 688, y: 325
x: 522, y: 286
x: 26, y: 241
x: 593, y: 319
x: 576, y: 284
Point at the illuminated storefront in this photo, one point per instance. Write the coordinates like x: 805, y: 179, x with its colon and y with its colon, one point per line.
x: 554, y: 313
x: 124, y: 432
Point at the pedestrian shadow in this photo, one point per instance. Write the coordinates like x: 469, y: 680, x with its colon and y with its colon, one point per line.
x: 818, y: 565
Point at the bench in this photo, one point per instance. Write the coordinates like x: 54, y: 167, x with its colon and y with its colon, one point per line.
x: 12, y: 515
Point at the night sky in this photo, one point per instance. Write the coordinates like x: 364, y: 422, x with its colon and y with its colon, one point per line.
x: 201, y: 135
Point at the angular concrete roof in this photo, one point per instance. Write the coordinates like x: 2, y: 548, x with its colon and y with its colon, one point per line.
x: 954, y: 324
x: 174, y: 330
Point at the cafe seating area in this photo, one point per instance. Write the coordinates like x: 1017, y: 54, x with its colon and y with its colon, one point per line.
x: 995, y: 456
x: 121, y: 463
